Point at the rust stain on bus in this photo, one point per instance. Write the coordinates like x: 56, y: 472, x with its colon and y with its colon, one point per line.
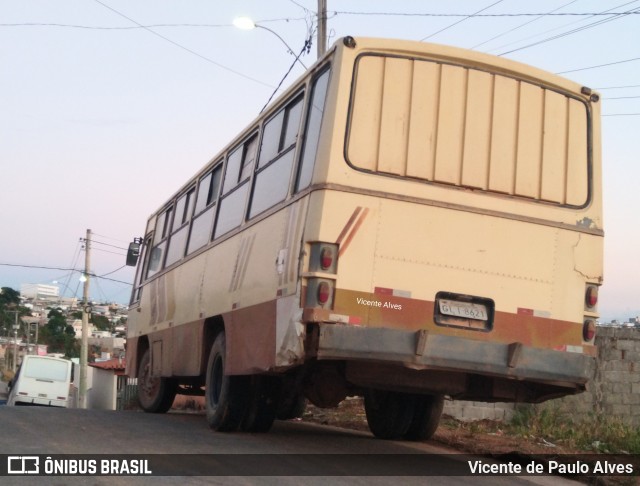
x: 350, y: 229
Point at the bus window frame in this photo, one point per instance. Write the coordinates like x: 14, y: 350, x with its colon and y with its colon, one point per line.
x: 306, y: 119
x: 212, y: 203
x: 299, y: 98
x: 185, y: 221
x: 253, y: 136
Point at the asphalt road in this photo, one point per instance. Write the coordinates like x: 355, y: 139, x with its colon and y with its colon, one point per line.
x: 242, y: 457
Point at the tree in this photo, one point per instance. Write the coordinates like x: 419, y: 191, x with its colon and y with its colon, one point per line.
x: 101, y: 323
x: 58, y: 335
x: 9, y: 303
x: 9, y: 296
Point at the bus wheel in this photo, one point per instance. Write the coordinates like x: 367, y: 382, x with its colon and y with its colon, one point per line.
x: 225, y: 396
x: 155, y: 394
x: 262, y: 404
x: 389, y: 414
x: 426, y: 417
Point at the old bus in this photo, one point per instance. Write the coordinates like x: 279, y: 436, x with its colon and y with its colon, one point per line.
x: 407, y: 221
x: 42, y: 380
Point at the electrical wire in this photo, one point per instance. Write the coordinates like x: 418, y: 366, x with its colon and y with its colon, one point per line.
x: 579, y: 29
x: 599, y: 65
x: 108, y: 244
x: 306, y: 47
x: 461, y: 20
x: 619, y: 87
x: 522, y: 25
x: 221, y: 66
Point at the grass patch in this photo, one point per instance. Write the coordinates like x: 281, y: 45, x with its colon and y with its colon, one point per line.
x: 599, y: 433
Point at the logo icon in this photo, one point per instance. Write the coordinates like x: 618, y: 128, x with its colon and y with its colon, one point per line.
x: 23, y: 465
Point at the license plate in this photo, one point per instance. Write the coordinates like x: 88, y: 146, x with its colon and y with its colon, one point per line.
x: 466, y: 310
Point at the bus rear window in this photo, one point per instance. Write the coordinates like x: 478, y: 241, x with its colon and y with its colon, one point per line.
x: 465, y: 127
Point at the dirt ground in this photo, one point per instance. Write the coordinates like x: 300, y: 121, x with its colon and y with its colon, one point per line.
x: 484, y: 438
x: 481, y: 437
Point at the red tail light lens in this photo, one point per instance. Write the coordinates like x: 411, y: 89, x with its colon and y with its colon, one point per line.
x: 324, y: 293
x: 589, y: 330
x: 591, y: 296
x: 326, y: 258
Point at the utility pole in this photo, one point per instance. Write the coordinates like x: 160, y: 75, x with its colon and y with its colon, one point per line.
x: 322, y: 27
x: 86, y: 309
x: 16, y: 326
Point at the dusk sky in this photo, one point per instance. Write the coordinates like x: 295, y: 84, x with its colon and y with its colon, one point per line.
x: 108, y: 107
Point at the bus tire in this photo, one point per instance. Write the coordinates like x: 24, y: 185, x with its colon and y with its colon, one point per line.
x: 426, y: 417
x: 389, y: 414
x: 155, y: 394
x: 225, y: 396
x: 262, y: 404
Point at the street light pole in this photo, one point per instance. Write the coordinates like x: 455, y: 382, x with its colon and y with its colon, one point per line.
x: 86, y: 308
x: 245, y: 23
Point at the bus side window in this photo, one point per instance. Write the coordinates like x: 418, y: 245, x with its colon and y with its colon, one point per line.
x: 276, y: 157
x: 202, y: 225
x: 159, y: 242
x: 235, y: 187
x: 180, y: 228
x: 314, y: 122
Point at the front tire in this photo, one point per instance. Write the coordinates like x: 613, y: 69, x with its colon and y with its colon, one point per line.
x: 155, y: 394
x: 226, y: 397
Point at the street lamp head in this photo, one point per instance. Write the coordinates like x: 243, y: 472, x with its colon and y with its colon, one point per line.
x: 244, y: 23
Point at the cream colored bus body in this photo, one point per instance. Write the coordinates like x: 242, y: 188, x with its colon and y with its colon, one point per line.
x: 441, y: 175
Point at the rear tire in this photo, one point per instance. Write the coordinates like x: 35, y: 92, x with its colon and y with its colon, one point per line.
x: 389, y: 414
x: 262, y: 404
x: 226, y: 396
x: 426, y: 417
x: 155, y: 394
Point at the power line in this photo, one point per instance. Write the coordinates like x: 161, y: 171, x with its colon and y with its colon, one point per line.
x: 619, y: 87
x: 621, y: 97
x: 41, y: 267
x: 221, y: 66
x: 522, y: 25
x: 480, y: 15
x: 108, y: 244
x: 599, y: 65
x: 614, y: 16
x: 461, y: 20
x: 306, y: 47
x: 623, y: 114
x: 138, y: 26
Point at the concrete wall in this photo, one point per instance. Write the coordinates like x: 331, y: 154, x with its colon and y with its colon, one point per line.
x: 103, y: 392
x: 614, y: 389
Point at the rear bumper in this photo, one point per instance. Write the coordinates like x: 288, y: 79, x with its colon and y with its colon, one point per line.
x: 422, y: 351
x: 45, y: 402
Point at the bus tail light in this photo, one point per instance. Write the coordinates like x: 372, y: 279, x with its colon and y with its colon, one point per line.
x: 589, y: 330
x: 323, y: 293
x: 320, y: 293
x: 323, y: 257
x: 591, y: 296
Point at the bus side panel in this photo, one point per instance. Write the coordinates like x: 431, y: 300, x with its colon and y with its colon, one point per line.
x: 250, y: 337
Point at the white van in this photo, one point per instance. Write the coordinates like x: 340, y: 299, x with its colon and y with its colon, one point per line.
x: 42, y: 380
